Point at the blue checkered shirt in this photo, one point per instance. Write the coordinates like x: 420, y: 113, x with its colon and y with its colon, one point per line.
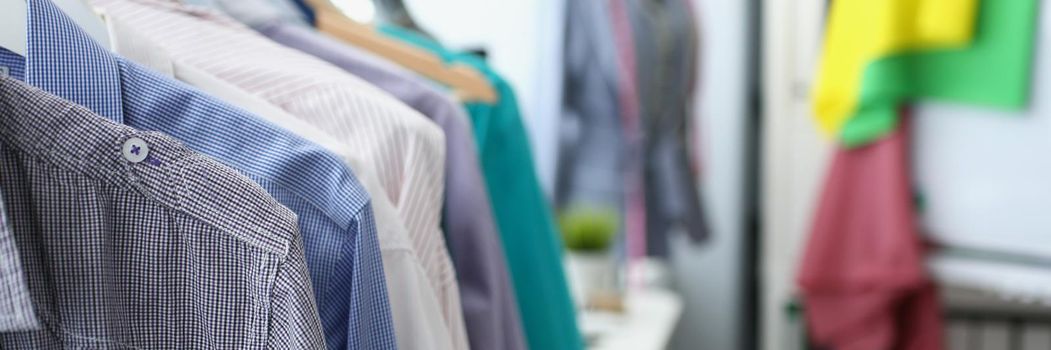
x: 335, y: 214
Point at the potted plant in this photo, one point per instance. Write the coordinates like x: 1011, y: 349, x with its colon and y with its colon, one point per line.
x: 588, y: 234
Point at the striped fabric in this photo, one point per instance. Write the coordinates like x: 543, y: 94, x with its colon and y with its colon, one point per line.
x: 406, y: 150
x: 147, y: 255
x: 334, y: 212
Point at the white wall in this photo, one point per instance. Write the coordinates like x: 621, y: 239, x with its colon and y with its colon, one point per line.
x: 710, y: 276
x: 984, y: 171
x: 524, y: 41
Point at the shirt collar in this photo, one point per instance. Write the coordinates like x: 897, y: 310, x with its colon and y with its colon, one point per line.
x: 261, y: 149
x: 63, y: 60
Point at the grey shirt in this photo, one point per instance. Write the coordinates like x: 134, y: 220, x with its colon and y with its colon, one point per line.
x: 143, y: 253
x: 666, y: 52
x: 593, y: 155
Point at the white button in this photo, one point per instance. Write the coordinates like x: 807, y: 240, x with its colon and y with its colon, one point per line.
x: 136, y: 150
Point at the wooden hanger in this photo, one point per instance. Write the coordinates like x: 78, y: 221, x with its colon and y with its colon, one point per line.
x: 14, y: 23
x: 468, y: 84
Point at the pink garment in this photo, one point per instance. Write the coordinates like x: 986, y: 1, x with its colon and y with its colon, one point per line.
x: 863, y: 281
x: 628, y: 96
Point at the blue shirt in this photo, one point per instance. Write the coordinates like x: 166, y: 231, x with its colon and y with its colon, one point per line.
x: 335, y: 214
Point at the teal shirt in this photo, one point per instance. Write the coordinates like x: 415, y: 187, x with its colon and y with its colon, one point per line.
x: 531, y: 241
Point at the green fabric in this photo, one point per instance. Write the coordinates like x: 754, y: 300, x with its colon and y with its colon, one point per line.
x: 993, y: 71
x: 525, y: 219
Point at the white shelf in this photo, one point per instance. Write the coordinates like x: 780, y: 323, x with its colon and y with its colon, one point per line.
x: 647, y: 324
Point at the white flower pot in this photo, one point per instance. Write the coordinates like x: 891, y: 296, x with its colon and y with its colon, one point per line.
x: 590, y: 272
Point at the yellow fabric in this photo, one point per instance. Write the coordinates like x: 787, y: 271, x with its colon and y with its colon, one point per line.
x: 862, y: 31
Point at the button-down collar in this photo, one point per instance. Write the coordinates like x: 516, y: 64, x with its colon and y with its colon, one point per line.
x: 82, y: 71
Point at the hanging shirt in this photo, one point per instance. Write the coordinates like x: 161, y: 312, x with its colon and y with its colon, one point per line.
x: 863, y: 279
x: 994, y: 70
x: 531, y: 241
x: 594, y: 155
x: 334, y: 212
x: 631, y: 125
x: 489, y: 305
x: 860, y: 32
x: 406, y: 150
x: 128, y: 238
x: 666, y: 49
x: 418, y: 321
